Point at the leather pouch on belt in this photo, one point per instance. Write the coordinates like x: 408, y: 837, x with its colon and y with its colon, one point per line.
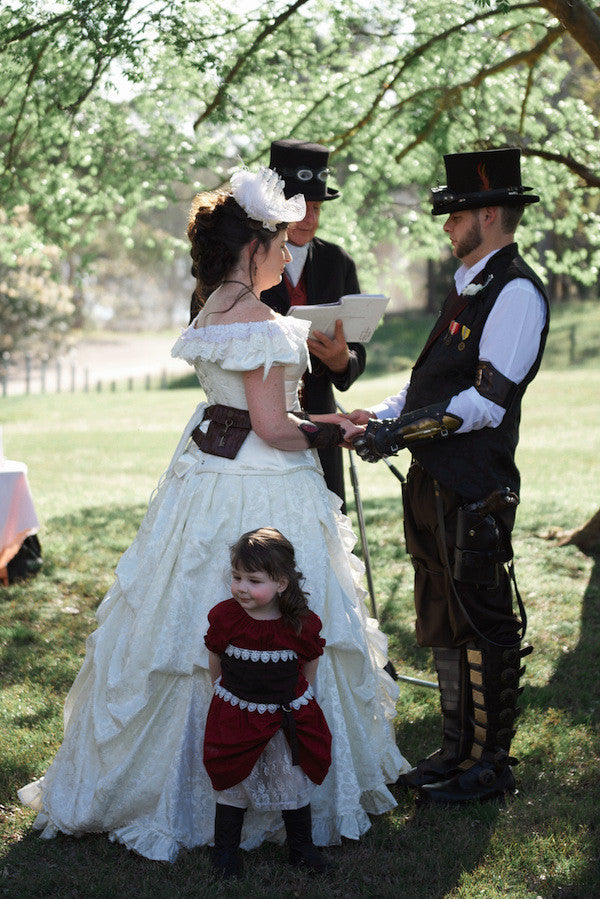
x: 477, y: 552
x: 226, y: 432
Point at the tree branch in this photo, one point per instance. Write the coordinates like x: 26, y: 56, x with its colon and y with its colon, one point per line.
x: 581, y: 21
x: 9, y: 159
x: 231, y: 76
x: 413, y: 57
x: 590, y: 178
x: 13, y: 35
x: 451, y: 97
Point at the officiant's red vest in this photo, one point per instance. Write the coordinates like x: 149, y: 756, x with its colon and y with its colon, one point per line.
x: 298, y: 295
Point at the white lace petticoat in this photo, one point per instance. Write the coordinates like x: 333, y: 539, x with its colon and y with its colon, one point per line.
x: 274, y: 784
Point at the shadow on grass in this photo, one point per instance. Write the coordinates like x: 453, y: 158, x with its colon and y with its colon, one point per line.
x: 570, y: 701
x: 44, y: 623
x: 47, y: 618
x: 575, y: 683
x: 412, y: 853
x: 418, y: 852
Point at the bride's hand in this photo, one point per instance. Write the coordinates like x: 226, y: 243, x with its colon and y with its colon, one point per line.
x: 333, y: 418
x: 350, y: 431
x: 359, y: 416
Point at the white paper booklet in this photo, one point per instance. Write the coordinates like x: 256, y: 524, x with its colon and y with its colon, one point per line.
x: 360, y: 313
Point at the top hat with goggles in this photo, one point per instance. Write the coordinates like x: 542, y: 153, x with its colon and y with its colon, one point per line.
x: 303, y: 167
x: 486, y: 178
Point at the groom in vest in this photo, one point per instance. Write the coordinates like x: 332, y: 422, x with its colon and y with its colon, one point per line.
x: 459, y: 417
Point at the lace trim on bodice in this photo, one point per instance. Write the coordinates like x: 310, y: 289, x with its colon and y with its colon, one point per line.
x: 260, y: 655
x: 245, y: 346
x: 262, y: 707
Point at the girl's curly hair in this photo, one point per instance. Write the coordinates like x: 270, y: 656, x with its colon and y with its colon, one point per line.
x: 266, y: 549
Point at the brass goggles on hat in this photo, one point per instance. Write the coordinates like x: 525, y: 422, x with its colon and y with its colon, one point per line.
x: 304, y: 174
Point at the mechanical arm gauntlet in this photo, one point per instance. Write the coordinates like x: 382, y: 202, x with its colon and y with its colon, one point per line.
x: 384, y: 437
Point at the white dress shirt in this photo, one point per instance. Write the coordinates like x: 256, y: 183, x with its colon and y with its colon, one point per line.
x: 510, y: 342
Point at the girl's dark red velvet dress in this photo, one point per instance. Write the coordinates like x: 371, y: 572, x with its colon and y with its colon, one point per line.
x: 236, y: 736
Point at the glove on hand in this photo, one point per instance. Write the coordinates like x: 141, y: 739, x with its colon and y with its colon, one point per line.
x: 367, y: 446
x: 384, y: 437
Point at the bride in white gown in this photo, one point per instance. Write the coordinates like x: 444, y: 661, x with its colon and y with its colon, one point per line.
x: 131, y: 759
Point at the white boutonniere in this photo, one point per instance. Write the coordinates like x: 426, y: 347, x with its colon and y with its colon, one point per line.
x: 472, y: 290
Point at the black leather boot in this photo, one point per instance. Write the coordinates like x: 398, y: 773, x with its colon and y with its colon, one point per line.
x: 298, y: 828
x: 226, y: 859
x: 486, y: 774
x: 457, y: 727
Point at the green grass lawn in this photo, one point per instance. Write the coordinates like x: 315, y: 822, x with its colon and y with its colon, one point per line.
x: 94, y: 460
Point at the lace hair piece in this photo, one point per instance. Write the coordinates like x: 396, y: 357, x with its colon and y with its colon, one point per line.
x: 261, y: 196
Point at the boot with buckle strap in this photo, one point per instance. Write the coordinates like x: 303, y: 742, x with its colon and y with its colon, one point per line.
x: 457, y: 724
x: 495, y: 672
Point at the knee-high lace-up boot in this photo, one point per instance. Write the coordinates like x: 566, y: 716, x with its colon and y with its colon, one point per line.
x: 457, y: 725
x: 494, y: 673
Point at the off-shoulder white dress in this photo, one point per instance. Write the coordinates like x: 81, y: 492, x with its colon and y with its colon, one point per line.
x: 131, y: 760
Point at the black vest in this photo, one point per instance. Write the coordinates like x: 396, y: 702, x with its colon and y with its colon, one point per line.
x: 478, y: 462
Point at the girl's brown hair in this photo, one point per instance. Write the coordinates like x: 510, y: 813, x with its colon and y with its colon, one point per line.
x: 266, y: 549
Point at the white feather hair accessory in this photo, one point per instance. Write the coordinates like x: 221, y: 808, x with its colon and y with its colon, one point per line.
x: 261, y: 196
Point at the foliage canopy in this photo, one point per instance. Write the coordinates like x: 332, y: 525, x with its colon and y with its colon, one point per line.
x: 111, y: 108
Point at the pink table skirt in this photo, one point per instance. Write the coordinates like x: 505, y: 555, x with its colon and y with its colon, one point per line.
x: 18, y: 518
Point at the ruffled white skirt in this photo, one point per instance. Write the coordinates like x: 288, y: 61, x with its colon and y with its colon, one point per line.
x: 131, y: 760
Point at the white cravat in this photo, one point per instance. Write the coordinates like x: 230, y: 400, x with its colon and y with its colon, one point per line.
x: 294, y: 268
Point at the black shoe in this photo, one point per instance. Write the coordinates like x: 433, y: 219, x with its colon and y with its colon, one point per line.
x: 480, y: 782
x: 227, y: 863
x: 298, y: 828
x: 436, y: 767
x: 310, y: 857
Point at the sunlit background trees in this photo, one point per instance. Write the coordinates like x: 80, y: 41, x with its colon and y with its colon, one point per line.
x: 114, y: 112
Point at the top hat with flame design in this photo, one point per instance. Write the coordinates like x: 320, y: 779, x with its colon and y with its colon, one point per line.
x: 486, y: 178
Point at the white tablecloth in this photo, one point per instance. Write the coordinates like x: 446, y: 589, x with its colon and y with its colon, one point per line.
x: 18, y: 518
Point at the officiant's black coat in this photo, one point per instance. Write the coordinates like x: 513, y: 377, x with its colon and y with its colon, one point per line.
x: 330, y: 273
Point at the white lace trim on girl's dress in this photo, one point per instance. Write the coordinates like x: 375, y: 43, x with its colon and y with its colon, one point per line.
x: 258, y: 655
x: 262, y: 707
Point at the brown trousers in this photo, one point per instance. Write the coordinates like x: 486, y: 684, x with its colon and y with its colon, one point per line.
x: 440, y: 619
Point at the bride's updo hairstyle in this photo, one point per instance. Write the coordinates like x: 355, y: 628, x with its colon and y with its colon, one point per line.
x: 223, y: 222
x: 218, y: 230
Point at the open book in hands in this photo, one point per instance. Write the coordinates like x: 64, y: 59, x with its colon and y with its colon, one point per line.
x: 360, y: 313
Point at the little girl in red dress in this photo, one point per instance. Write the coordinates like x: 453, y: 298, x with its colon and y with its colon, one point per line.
x: 266, y: 738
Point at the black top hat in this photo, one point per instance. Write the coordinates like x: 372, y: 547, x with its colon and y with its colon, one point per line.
x: 303, y: 167
x: 487, y: 178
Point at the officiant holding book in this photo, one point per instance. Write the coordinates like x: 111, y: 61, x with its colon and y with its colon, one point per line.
x: 320, y: 272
